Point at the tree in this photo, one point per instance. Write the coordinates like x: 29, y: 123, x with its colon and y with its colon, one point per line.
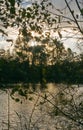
x: 38, y: 25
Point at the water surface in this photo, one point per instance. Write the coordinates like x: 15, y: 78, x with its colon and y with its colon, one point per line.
x: 37, y: 112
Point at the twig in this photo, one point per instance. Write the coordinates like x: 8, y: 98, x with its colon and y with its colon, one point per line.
x: 30, y: 119
x: 61, y: 111
x: 73, y: 17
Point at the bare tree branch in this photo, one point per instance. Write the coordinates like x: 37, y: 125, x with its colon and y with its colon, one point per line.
x: 72, y: 13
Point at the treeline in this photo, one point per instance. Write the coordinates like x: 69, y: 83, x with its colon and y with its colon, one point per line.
x: 13, y: 71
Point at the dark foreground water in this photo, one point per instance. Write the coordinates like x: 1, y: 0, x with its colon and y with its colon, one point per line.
x: 58, y: 107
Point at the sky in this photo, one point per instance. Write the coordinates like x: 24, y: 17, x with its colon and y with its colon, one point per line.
x: 59, y: 4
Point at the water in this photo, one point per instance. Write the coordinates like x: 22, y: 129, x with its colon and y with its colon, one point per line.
x: 39, y: 111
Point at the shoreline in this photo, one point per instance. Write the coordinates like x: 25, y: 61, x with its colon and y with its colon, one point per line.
x: 27, y: 85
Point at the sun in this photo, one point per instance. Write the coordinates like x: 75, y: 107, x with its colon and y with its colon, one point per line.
x: 33, y: 43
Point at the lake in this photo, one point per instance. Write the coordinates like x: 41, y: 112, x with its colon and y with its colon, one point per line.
x: 57, y: 107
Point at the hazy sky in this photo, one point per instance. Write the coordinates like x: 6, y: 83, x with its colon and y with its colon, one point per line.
x: 59, y: 4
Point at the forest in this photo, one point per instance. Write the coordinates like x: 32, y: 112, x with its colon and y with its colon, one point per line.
x: 12, y: 71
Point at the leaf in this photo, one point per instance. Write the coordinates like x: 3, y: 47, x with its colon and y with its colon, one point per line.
x: 3, y: 32
x: 54, y: 20
x: 9, y: 40
x: 43, y: 7
x: 14, y: 90
x: 23, y: 13
x: 12, y: 2
x: 21, y: 92
x: 56, y: 112
x: 82, y: 11
x: 17, y: 99
x: 12, y: 10
x: 42, y: 102
x: 29, y: 9
x: 50, y: 3
x: 1, y: 2
x: 28, y: 15
x: 30, y: 98
x: 60, y: 35
x: 69, y: 22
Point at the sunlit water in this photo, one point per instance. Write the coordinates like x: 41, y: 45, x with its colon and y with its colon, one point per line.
x: 35, y: 112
